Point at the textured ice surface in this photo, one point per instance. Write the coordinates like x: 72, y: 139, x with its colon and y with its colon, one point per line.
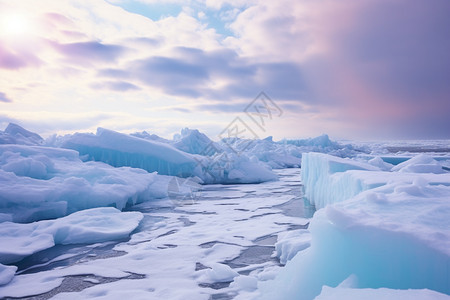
x: 195, y: 142
x: 14, y: 134
x: 189, y: 251
x: 421, y: 163
x: 87, y: 226
x: 290, y: 243
x: 385, y: 227
x: 389, y: 230
x: 6, y: 274
x: 328, y: 179
x: 119, y: 149
x: 42, y: 182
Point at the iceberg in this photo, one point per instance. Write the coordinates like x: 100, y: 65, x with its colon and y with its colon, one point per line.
x: 276, y: 155
x: 194, y: 142
x: 386, y: 229
x: 328, y: 179
x: 323, y: 144
x: 117, y: 149
x: 43, y: 183
x: 15, y: 134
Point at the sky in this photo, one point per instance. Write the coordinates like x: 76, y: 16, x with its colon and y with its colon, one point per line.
x: 354, y: 69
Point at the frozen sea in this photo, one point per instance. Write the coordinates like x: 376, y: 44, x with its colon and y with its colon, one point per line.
x: 191, y: 246
x: 101, y: 216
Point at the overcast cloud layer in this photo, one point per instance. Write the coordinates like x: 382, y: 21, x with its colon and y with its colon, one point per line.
x: 351, y: 68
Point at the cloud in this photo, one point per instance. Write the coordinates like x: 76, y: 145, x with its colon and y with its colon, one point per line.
x: 216, y: 75
x: 15, y: 59
x: 47, y: 123
x: 375, y: 67
x: 175, y: 76
x: 4, y: 98
x: 222, y: 107
x: 91, y: 51
x: 117, y: 86
x: 380, y: 66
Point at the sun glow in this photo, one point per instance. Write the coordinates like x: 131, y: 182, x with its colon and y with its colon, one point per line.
x: 15, y: 24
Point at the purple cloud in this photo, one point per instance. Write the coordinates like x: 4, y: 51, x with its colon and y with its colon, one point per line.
x: 90, y: 51
x: 4, y: 98
x: 194, y: 69
x: 17, y: 59
x: 386, y: 67
x: 117, y: 86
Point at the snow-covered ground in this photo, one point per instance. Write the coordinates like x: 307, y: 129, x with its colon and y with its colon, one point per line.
x: 216, y: 245
x: 112, y: 215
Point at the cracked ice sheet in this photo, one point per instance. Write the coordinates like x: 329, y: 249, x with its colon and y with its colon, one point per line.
x: 170, y: 243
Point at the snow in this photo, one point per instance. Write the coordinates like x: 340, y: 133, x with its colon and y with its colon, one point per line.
x: 217, y: 273
x: 328, y: 179
x: 388, y: 229
x: 181, y: 253
x: 381, y: 230
x: 87, y: 226
x: 119, y: 149
x: 275, y: 154
x: 41, y: 183
x: 420, y: 164
x: 233, y: 168
x: 323, y: 144
x: 194, y: 142
x: 290, y: 243
x: 6, y: 274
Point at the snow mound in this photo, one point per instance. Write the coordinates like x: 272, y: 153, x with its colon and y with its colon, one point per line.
x: 421, y: 163
x: 87, y: 226
x: 216, y: 273
x: 6, y: 274
x: 42, y: 183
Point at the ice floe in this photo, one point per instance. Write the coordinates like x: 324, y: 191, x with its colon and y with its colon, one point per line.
x: 387, y: 229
